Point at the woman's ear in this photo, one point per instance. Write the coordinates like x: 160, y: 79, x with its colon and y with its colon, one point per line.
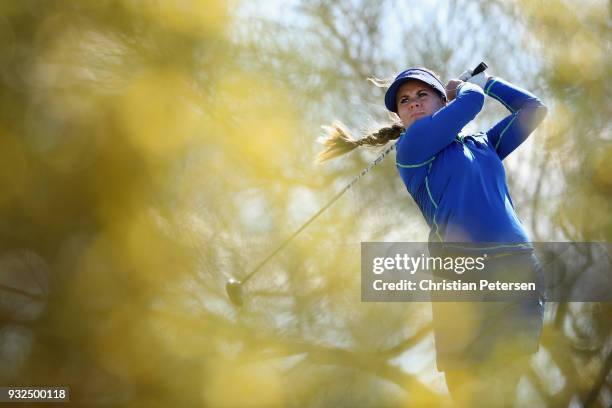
x: 443, y: 100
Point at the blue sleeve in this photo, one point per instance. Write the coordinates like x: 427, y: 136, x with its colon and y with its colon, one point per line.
x: 526, y: 113
x: 430, y: 134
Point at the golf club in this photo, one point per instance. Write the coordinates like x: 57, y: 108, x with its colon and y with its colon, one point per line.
x: 234, y: 286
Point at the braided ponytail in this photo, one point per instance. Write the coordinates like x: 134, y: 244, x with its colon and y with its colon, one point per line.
x: 340, y: 141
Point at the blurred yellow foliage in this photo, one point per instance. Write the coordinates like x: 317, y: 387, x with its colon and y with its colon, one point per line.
x: 161, y: 115
x: 602, y: 169
x: 186, y: 16
x: 233, y: 384
x: 14, y: 170
x: 260, y: 119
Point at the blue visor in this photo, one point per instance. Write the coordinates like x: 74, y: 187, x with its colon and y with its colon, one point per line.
x: 420, y: 74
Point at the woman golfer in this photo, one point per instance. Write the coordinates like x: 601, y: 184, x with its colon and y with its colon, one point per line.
x: 459, y: 184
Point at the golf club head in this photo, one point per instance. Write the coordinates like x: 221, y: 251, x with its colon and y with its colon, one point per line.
x: 233, y: 288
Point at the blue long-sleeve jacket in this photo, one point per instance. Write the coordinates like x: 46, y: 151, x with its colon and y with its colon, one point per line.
x: 459, y: 182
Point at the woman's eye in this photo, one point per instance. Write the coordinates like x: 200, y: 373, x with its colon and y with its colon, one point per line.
x: 405, y: 100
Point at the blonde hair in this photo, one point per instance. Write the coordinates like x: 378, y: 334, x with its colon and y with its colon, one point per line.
x: 339, y: 140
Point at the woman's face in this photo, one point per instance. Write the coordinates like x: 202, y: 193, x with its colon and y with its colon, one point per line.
x: 416, y: 99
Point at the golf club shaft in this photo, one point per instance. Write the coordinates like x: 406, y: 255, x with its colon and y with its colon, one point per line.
x: 325, y: 207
